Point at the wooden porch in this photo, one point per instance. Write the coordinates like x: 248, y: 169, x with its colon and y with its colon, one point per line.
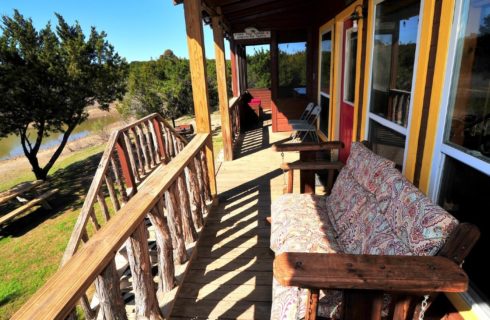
x: 231, y: 276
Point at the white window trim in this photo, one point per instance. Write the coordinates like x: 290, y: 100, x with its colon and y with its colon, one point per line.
x: 346, y: 57
x: 441, y: 149
x: 478, y: 306
x: 375, y: 117
x: 320, y: 92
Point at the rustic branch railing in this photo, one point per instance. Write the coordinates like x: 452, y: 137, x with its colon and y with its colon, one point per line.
x: 160, y: 199
x: 132, y: 153
x: 235, y: 118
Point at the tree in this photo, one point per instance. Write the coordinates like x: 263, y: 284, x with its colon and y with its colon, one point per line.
x: 47, y: 79
x: 162, y: 86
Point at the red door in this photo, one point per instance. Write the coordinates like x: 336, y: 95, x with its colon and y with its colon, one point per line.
x: 347, y: 88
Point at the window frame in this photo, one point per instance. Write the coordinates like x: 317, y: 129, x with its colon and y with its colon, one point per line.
x: 348, y: 37
x: 328, y: 27
x: 441, y: 150
x: 380, y: 120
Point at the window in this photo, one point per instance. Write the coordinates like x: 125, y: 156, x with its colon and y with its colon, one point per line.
x: 258, y: 66
x: 350, y: 66
x: 292, y: 69
x: 325, y: 67
x: 394, y: 50
x: 462, y: 183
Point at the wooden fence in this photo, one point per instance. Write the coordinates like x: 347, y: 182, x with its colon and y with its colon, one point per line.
x: 172, y: 198
x: 132, y: 154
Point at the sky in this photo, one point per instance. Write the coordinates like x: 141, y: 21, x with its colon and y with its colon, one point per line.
x: 138, y: 29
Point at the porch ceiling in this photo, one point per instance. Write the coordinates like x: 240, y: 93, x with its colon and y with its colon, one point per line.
x: 273, y: 14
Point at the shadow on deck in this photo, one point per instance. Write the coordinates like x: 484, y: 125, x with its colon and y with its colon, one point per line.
x: 231, y: 277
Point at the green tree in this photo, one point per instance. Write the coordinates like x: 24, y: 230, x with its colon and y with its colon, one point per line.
x: 47, y: 79
x: 258, y: 69
x: 162, y: 86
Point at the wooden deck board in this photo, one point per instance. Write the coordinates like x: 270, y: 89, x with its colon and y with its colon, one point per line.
x: 231, y: 277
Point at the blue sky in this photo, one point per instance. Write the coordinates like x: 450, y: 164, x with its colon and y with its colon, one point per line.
x: 139, y: 30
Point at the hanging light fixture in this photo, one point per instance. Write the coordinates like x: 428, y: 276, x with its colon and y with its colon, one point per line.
x: 356, y: 16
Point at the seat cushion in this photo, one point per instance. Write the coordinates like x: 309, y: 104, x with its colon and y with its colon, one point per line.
x: 345, y: 201
x: 300, y: 224
x: 289, y: 303
x: 367, y: 167
x: 372, y: 234
x: 421, y: 225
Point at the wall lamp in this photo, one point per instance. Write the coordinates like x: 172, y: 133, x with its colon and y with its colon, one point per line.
x: 355, y: 16
x: 206, y: 17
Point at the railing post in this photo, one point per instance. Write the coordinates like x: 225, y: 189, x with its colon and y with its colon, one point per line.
x: 123, y: 160
x: 109, y: 294
x: 197, y: 59
x: 159, y: 136
x: 145, y: 299
x: 165, y: 252
x: 222, y: 88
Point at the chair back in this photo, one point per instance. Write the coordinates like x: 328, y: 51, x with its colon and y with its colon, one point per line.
x: 307, y: 111
x: 314, y: 114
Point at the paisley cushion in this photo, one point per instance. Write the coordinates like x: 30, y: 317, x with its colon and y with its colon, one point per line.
x: 367, y: 167
x: 417, y: 222
x: 289, y: 303
x: 300, y: 224
x: 345, y: 201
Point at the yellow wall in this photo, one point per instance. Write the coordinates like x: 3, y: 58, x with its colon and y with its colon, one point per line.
x: 437, y: 88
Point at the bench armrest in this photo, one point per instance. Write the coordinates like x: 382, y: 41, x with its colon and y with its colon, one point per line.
x: 307, y: 146
x: 312, y: 165
x: 369, y: 272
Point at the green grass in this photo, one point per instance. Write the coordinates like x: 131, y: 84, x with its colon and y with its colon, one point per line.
x: 24, y: 175
x: 31, y: 246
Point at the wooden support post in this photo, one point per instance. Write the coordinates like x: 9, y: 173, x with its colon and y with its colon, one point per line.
x: 200, y: 180
x: 141, y: 165
x: 196, y: 201
x: 145, y: 299
x: 103, y: 205
x: 165, y: 251
x: 219, y: 49
x: 197, y: 59
x: 143, y: 147
x: 307, y: 177
x: 175, y: 224
x: 311, y: 303
x: 190, y: 234
x: 109, y: 294
x: 234, y: 75
x: 125, y: 167
x: 87, y: 310
x: 159, y: 136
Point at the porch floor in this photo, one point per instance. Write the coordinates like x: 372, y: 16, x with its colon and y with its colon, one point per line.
x: 231, y: 276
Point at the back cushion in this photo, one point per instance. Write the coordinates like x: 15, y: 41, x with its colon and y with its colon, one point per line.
x: 372, y: 234
x: 345, y: 201
x: 421, y: 225
x: 367, y: 167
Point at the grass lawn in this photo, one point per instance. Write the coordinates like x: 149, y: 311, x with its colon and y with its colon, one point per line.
x: 31, y: 246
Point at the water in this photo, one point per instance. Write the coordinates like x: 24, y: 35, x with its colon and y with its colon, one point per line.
x: 10, y: 146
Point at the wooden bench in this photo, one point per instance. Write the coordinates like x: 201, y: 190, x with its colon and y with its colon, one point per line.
x: 374, y: 248
x: 20, y: 192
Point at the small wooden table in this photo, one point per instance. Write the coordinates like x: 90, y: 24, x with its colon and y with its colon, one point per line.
x: 21, y: 190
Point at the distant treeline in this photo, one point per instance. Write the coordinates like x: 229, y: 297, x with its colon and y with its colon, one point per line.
x: 164, y: 86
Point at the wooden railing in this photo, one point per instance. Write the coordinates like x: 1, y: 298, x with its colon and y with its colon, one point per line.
x: 166, y: 200
x: 132, y: 153
x: 234, y: 110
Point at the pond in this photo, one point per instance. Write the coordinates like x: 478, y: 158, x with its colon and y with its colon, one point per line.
x: 10, y: 146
